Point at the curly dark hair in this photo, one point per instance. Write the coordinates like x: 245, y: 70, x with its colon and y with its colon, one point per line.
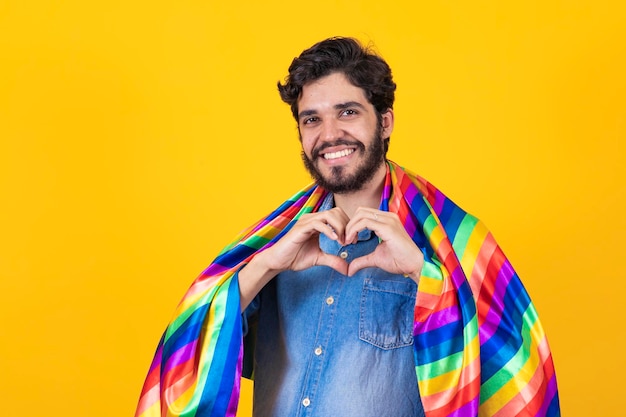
x: 363, y: 68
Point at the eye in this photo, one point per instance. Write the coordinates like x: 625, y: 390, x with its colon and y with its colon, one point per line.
x: 309, y: 120
x: 349, y: 112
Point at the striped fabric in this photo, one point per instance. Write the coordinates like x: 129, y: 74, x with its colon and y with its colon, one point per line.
x: 480, y: 349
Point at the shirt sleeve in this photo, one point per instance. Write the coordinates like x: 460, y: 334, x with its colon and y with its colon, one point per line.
x: 249, y: 319
x: 249, y: 314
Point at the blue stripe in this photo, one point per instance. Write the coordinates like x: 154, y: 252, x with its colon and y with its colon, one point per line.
x: 434, y: 353
x: 438, y: 336
x: 554, y: 410
x: 221, y: 376
x: 451, y: 220
x: 507, y: 339
x: 186, y: 333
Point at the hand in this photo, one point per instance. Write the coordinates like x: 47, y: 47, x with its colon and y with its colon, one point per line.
x: 396, y: 253
x: 299, y: 249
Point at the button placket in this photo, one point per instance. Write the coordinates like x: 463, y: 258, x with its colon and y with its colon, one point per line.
x: 324, y: 335
x: 316, y: 365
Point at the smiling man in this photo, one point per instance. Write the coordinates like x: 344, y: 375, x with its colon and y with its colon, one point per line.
x: 335, y: 314
x: 367, y: 294
x: 334, y: 132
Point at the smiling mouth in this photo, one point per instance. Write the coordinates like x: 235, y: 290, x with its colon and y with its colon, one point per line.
x: 338, y: 154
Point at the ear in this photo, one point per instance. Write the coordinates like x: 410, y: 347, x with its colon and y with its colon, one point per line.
x: 387, y: 122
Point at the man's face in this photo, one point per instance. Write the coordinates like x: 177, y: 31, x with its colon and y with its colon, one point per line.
x: 342, y: 138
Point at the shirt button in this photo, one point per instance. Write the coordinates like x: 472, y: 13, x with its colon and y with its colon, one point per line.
x: 343, y: 254
x: 330, y: 300
x: 306, y: 402
x: 318, y: 350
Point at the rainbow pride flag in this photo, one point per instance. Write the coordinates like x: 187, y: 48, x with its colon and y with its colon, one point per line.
x: 480, y: 349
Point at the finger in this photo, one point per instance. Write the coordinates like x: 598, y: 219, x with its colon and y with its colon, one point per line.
x: 336, y: 219
x: 327, y: 224
x: 360, y: 223
x: 334, y: 262
x: 383, y: 223
x: 361, y: 262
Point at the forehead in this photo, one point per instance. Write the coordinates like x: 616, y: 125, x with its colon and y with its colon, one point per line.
x: 328, y: 91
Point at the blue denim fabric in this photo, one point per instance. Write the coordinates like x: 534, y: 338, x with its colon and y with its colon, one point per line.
x: 332, y: 345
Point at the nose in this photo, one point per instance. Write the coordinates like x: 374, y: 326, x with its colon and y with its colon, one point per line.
x: 331, y: 130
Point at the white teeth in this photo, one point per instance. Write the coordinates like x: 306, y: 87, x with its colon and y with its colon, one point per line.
x: 339, y: 154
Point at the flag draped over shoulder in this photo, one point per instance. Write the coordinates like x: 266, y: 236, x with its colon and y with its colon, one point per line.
x: 479, y: 346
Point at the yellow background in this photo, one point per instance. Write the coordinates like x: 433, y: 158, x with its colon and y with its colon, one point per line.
x: 138, y: 137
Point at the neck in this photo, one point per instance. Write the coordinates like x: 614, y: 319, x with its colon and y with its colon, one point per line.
x: 368, y: 196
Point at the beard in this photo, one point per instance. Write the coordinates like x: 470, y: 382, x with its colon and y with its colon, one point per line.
x: 340, y: 182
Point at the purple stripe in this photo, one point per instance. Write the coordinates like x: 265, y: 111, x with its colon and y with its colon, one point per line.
x: 182, y: 355
x: 156, y: 361
x: 439, y: 200
x: 234, y: 397
x: 386, y: 191
x: 469, y: 409
x: 457, y: 276
x: 439, y: 319
x: 261, y: 224
x: 301, y: 201
x: 549, y: 396
x: 409, y: 226
x: 214, y: 269
x: 496, y: 308
x: 410, y: 193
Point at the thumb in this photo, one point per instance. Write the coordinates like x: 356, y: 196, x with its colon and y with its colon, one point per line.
x: 361, y: 262
x: 334, y: 262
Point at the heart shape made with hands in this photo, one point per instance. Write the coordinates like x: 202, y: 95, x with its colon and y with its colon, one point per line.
x: 396, y: 253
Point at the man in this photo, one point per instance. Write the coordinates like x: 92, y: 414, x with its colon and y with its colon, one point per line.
x: 368, y: 294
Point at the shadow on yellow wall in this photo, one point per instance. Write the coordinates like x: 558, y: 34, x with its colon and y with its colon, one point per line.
x: 137, y: 139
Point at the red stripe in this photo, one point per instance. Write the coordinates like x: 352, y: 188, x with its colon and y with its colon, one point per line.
x: 461, y: 397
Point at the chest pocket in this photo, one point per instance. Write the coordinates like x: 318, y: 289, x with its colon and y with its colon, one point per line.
x: 386, y: 312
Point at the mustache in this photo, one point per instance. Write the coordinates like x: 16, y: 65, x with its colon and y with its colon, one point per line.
x: 317, y: 151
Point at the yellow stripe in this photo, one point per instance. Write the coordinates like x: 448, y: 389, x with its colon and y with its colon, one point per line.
x: 432, y: 286
x: 153, y: 411
x: 182, y: 404
x: 436, y: 236
x: 521, y: 378
x: 472, y: 248
x: 451, y: 380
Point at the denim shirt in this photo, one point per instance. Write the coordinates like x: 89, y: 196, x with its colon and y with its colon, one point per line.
x: 332, y: 345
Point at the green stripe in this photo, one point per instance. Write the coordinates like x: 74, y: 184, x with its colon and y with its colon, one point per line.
x: 199, y: 303
x: 212, y: 331
x: 512, y: 368
x: 463, y: 234
x: 429, y: 225
x: 450, y: 362
x: 432, y: 269
x: 256, y: 242
x: 440, y: 367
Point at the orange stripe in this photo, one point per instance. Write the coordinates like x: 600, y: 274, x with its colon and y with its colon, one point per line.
x: 530, y: 398
x: 483, y: 265
x: 468, y: 376
x: 442, y: 404
x: 488, y: 288
x: 147, y: 400
x: 179, y: 379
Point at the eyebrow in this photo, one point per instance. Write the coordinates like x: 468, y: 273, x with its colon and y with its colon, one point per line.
x: 343, y: 106
x: 340, y: 106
